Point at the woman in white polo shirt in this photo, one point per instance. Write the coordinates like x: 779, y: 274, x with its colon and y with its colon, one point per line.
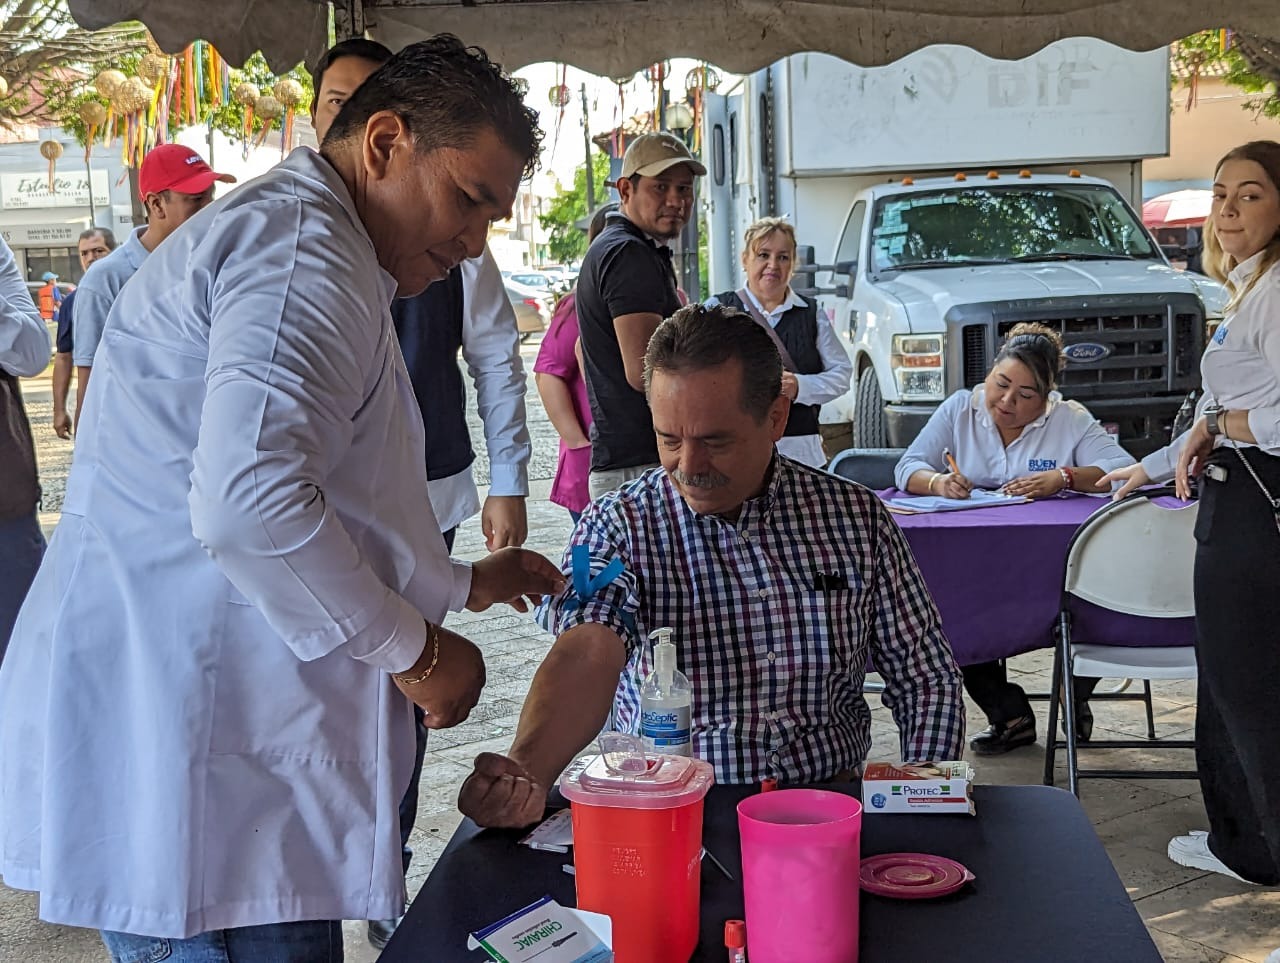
x: 1235, y: 445
x: 1013, y: 432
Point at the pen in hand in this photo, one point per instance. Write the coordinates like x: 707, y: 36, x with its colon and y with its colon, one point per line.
x: 951, y: 461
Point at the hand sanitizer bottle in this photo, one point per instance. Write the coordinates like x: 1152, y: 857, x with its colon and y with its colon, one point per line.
x: 665, y: 701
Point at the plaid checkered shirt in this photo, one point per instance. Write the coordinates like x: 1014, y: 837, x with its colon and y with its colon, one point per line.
x: 775, y: 616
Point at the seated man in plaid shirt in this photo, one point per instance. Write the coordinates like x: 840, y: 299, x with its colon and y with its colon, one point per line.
x: 780, y: 582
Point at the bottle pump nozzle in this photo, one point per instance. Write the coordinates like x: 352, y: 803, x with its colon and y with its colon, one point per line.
x: 664, y: 655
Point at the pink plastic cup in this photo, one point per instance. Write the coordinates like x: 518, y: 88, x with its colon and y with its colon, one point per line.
x: 800, y: 875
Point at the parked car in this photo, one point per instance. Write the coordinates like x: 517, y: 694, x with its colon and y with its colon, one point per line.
x: 530, y: 316
x: 544, y: 295
x: 561, y: 277
x: 531, y: 279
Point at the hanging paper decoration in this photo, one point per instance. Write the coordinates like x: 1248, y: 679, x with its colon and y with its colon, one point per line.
x: 559, y: 95
x: 94, y: 116
x: 130, y: 100
x: 152, y: 68
x: 246, y: 94
x: 107, y: 81
x: 51, y: 150
x: 697, y: 83
x: 268, y: 109
x: 290, y: 95
x: 702, y: 77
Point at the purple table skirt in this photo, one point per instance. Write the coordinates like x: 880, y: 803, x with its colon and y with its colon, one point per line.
x: 996, y: 575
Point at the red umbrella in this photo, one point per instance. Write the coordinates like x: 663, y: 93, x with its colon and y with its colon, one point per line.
x: 1178, y: 209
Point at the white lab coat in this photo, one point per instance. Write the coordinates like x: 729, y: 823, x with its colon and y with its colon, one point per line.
x: 197, y: 726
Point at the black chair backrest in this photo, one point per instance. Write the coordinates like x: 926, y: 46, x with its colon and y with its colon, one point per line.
x: 872, y: 467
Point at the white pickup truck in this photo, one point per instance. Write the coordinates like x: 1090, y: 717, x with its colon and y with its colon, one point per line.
x: 934, y: 272
x: 949, y: 196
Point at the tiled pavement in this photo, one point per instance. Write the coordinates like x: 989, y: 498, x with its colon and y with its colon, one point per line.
x: 1194, y: 917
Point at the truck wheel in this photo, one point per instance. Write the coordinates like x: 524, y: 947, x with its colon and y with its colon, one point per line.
x: 870, y: 427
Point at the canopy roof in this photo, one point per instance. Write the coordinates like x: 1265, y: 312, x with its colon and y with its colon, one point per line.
x: 618, y: 37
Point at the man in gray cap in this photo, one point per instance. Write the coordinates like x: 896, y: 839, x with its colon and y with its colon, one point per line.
x: 627, y: 286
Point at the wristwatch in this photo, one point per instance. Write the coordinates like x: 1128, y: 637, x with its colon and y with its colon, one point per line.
x: 1211, y: 415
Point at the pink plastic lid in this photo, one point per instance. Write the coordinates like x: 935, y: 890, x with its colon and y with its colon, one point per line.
x: 666, y: 782
x: 912, y: 875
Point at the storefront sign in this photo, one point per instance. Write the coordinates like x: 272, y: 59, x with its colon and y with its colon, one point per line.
x: 42, y: 235
x: 30, y: 190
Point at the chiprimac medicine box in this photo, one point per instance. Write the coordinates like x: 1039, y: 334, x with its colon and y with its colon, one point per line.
x: 935, y: 787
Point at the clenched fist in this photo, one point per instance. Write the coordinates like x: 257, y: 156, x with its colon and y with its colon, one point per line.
x: 501, y: 793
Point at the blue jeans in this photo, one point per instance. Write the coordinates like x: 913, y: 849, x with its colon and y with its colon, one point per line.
x: 318, y: 941
x: 21, y: 548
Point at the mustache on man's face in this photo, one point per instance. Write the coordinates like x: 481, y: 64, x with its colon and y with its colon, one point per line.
x: 707, y: 480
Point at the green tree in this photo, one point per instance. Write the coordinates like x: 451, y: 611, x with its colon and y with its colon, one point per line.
x: 567, y: 241
x: 1247, y: 62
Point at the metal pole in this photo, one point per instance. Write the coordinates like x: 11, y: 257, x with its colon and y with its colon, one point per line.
x: 88, y: 173
x: 586, y: 144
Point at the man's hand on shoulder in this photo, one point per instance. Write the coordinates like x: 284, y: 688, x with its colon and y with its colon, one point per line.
x: 516, y: 576
x: 501, y: 793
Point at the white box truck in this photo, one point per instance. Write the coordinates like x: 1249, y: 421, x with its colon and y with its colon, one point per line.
x: 949, y: 196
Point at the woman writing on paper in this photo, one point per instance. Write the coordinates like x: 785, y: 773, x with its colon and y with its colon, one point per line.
x: 1235, y: 447
x: 1013, y: 432
x: 815, y: 368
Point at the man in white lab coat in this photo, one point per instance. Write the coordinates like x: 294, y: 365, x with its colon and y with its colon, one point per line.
x: 259, y: 584
x: 468, y: 311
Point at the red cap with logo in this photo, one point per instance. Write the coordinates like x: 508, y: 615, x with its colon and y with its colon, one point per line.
x: 172, y: 167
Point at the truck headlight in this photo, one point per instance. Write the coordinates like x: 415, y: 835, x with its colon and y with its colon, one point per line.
x: 917, y: 366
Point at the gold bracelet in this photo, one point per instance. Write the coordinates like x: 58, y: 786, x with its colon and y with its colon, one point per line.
x: 936, y: 476
x: 425, y: 674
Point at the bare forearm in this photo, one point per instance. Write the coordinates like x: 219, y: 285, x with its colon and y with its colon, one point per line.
x: 558, y: 403
x: 61, y: 379
x: 1086, y: 479
x: 918, y: 483
x: 82, y: 388
x: 569, y: 700
x: 1235, y: 425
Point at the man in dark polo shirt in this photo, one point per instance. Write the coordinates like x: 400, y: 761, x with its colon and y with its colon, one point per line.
x: 626, y: 287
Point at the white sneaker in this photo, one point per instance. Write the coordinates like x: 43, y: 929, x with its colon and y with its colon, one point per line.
x: 1274, y: 957
x: 1193, y: 852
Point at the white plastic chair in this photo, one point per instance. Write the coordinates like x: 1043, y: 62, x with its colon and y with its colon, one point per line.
x: 1136, y: 558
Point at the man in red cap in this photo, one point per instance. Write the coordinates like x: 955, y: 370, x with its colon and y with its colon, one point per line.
x: 175, y: 183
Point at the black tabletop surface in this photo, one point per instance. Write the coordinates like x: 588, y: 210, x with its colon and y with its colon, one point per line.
x: 1045, y: 889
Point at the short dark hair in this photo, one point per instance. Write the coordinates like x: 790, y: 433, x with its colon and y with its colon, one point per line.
x: 1039, y: 348
x: 102, y: 232
x: 355, y: 47
x: 445, y: 93
x: 696, y: 338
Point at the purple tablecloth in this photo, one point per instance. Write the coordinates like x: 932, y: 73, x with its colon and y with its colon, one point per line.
x: 996, y: 574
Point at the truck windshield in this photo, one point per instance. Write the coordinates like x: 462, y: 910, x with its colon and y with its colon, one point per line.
x: 974, y: 224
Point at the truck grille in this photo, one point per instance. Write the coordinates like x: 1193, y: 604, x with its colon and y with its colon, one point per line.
x: 1136, y: 336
